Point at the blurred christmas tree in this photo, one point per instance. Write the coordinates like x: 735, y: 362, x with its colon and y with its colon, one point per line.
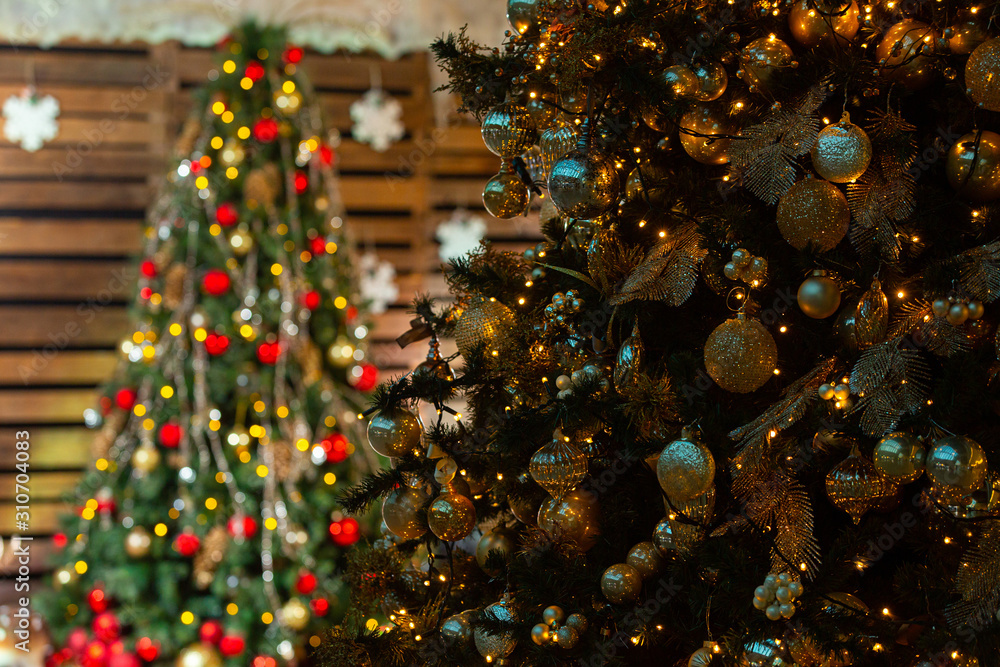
x: 700, y: 413
x: 208, y: 531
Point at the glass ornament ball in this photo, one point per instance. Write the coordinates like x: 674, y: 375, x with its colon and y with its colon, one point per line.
x: 855, y: 486
x: 819, y: 296
x: 457, y: 628
x: 497, y: 540
x: 813, y: 212
x: 981, y: 74
x: 137, y: 542
x: 824, y: 22
x: 554, y: 143
x: 900, y: 457
x: 842, y: 152
x: 495, y: 646
x: 567, y: 637
x: 574, y: 518
x: 621, y: 584
x: 685, y: 469
x: 702, y: 134
x: 404, y: 513
x: 505, y: 196
x: 522, y: 14
x: 394, y: 432
x: 542, y: 106
x: 584, y: 183
x: 905, y: 54
x: 966, y: 36
x: 740, y: 355
x: 645, y: 559
x: 956, y: 466
x: 973, y: 166
x: 762, y: 60
x: 451, y: 516
x: 712, y: 80
x: 541, y: 634
x: 508, y: 130
x: 295, y: 614
x: 558, y: 466
x: 199, y: 654
x: 679, y: 81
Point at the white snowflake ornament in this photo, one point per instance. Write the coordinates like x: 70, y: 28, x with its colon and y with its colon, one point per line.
x: 30, y: 119
x: 377, y: 120
x: 377, y: 282
x: 459, y: 235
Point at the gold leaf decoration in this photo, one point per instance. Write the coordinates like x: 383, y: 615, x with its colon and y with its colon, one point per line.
x: 173, y: 286
x: 764, y: 160
x: 978, y: 581
x: 935, y: 334
x: 263, y: 185
x: 609, y: 260
x: 981, y: 272
x: 212, y: 551
x: 890, y: 380
x: 669, y: 272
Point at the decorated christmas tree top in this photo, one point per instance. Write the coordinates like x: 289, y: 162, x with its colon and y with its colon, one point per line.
x: 208, y: 530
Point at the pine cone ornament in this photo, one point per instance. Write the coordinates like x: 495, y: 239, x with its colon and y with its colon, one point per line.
x: 287, y: 461
x: 263, y: 185
x: 213, y: 550
x: 173, y: 286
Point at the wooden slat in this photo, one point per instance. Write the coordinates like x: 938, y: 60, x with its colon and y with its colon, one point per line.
x: 378, y: 193
x: 15, y: 195
x: 109, y: 100
x: 53, y: 279
x: 59, y: 327
x: 41, y: 236
x: 20, y: 406
x: 56, y: 67
x: 66, y: 162
x: 43, y: 485
x: 454, y: 192
x: 83, y: 135
x: 41, y: 554
x: 44, y: 518
x: 52, y: 447
x: 65, y: 367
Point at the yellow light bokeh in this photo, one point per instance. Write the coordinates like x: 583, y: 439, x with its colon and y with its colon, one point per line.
x: 139, y: 410
x: 262, y: 470
x: 217, y: 143
x: 166, y: 391
x: 201, y: 182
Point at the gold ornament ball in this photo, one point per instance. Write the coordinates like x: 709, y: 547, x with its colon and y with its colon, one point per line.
x: 574, y: 518
x: 981, y: 70
x: 484, y: 322
x: 900, y: 457
x: 522, y: 14
x: 912, y: 64
x: 855, y: 486
x: 705, y: 120
x: 842, y: 152
x: 956, y: 466
x: 700, y: 658
x: 394, y: 432
x: 295, y: 614
x: 558, y: 467
x: 740, y: 355
x: 146, y: 458
x: 973, y: 167
x: 499, y: 540
x: 761, y: 653
x: 824, y: 22
x: 496, y: 646
x: 567, y: 637
x: 525, y: 509
x: 508, y: 130
x: 404, y: 514
x: 137, y: 542
x: 505, y: 196
x: 762, y: 60
x: 621, y: 583
x: 553, y: 615
x: 232, y: 153
x: 458, y: 627
x: 541, y: 634
x: 451, y: 516
x: 200, y: 654
x: 813, y: 211
x: 819, y: 296
x: 584, y: 183
x: 712, y: 80
x: 543, y: 108
x: 241, y: 241
x: 679, y: 81
x: 645, y: 559
x: 966, y: 36
x: 554, y: 143
x: 685, y: 469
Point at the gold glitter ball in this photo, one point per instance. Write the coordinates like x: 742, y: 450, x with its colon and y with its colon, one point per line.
x: 484, y: 322
x: 740, y: 355
x: 813, y: 211
x: 982, y: 74
x: 685, y: 470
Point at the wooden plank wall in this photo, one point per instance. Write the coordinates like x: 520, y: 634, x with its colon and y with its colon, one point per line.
x: 71, y: 214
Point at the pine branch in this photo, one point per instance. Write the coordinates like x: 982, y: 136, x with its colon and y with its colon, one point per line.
x: 359, y: 498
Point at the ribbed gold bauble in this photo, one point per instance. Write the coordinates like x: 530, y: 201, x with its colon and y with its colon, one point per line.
x: 451, y: 516
x: 740, y: 355
x: 855, y: 486
x: 842, y: 151
x: 912, y: 63
x: 505, y: 196
x: 295, y: 614
x: 394, y: 432
x: 493, y: 647
x: 712, y: 80
x: 558, y: 466
x: 404, y: 514
x: 621, y: 584
x: 138, y: 542
x: 966, y: 36
x: 956, y: 466
x: 819, y: 296
x: 763, y: 59
x: 825, y: 22
x: 710, y: 121
x: 484, y: 322
x: 146, y: 458
x: 584, y: 183
x: 973, y: 167
x: 981, y: 78
x: 575, y: 518
x: 813, y: 211
x: 555, y: 142
x: 685, y: 469
x: 200, y: 654
x: 900, y: 457
x: 508, y: 130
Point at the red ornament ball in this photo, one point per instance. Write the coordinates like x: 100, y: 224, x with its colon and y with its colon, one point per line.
x: 265, y: 130
x: 106, y: 404
x: 326, y: 156
x: 124, y: 660
x: 60, y: 540
x: 148, y: 269
x: 264, y: 661
x: 97, y: 600
x: 146, y: 292
x: 170, y: 435
x: 254, y: 71
x: 367, y: 380
x: 247, y: 524
x: 232, y: 645
x: 267, y: 353
x: 147, y: 649
x: 352, y: 313
x: 344, y: 532
x: 319, y: 606
x: 318, y: 246
x: 77, y: 640
x: 216, y: 344
x: 125, y: 398
x: 301, y: 182
x: 306, y: 583
x: 215, y: 282
x: 227, y: 215
x: 95, y: 655
x: 335, y: 446
x: 292, y: 55
x: 210, y: 632
x: 311, y: 299
x: 187, y: 544
x: 106, y: 627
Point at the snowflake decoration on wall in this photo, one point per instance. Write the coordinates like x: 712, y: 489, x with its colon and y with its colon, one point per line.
x: 30, y: 119
x: 459, y: 235
x: 377, y: 120
x: 377, y: 282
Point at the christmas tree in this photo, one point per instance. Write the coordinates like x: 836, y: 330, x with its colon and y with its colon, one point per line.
x: 207, y: 531
x: 738, y: 407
